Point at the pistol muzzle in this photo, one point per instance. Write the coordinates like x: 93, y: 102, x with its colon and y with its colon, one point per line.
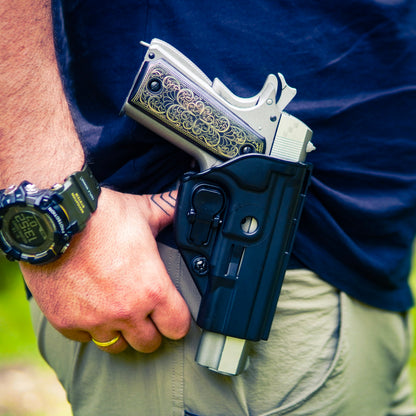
x: 222, y: 354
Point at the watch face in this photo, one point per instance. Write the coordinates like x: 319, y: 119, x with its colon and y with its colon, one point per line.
x: 28, y: 230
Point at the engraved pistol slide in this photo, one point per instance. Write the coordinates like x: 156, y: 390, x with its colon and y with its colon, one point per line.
x: 174, y: 98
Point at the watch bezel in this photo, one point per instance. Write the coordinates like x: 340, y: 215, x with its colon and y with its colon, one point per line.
x: 55, y: 241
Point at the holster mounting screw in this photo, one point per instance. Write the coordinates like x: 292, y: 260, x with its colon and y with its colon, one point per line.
x: 200, y: 265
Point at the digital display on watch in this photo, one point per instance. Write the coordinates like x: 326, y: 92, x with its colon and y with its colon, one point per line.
x: 28, y: 228
x: 28, y: 232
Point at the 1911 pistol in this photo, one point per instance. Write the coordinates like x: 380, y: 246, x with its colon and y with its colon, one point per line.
x: 236, y: 219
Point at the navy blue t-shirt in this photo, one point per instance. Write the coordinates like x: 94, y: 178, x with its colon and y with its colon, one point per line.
x: 354, y: 66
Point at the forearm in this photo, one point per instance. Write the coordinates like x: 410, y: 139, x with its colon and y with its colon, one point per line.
x: 38, y: 141
x: 111, y: 281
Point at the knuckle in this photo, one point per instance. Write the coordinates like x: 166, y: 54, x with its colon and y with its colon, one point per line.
x: 155, y: 294
x: 123, y: 313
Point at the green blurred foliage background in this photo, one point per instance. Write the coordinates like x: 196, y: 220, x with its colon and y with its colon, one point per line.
x: 28, y: 387
x: 16, y: 336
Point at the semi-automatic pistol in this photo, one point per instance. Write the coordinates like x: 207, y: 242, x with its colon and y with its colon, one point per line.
x: 236, y: 218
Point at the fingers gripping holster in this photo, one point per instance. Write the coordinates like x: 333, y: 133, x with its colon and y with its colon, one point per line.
x: 235, y: 226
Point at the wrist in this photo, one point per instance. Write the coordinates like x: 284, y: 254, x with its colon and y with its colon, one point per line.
x: 44, y: 166
x: 38, y: 224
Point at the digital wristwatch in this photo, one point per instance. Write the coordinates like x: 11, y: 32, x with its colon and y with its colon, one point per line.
x: 36, y: 225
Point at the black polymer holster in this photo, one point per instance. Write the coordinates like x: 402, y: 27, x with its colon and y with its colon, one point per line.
x: 235, y: 226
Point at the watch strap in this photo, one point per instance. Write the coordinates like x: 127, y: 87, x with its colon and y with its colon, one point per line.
x: 79, y: 194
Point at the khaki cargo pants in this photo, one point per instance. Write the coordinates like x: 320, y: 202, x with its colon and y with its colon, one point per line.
x: 327, y: 355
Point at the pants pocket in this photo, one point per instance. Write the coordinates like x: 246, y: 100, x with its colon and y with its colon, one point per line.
x: 303, y: 348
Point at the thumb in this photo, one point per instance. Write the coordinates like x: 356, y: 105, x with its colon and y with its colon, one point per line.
x: 161, y: 210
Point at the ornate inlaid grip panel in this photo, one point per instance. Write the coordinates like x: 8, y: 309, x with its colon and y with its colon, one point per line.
x: 165, y: 94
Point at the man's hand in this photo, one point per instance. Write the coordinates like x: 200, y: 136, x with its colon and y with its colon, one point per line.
x: 112, y: 280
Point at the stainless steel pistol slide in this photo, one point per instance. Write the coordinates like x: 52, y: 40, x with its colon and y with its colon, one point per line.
x: 251, y: 157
